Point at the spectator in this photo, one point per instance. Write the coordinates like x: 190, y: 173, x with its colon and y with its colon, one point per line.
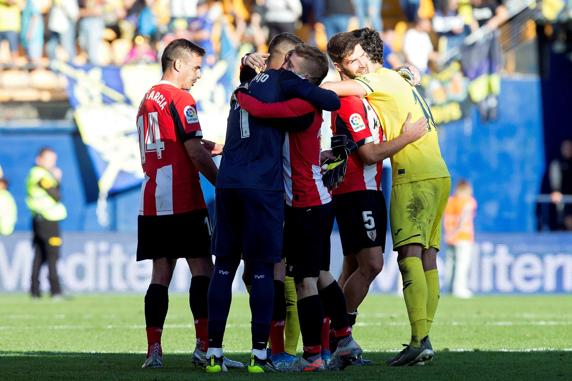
x: 201, y: 27
x: 44, y: 201
x: 482, y: 59
x: 8, y: 211
x: 417, y: 45
x: 141, y: 52
x: 61, y: 27
x: 10, y: 26
x: 560, y: 176
x: 281, y: 16
x: 449, y: 25
x: 91, y: 27
x: 336, y: 16
x: 460, y: 238
x: 368, y: 13
x: 32, y: 34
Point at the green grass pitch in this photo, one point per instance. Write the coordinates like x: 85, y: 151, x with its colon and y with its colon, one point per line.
x: 102, y: 337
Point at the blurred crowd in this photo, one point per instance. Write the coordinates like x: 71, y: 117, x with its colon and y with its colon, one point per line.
x: 35, y: 32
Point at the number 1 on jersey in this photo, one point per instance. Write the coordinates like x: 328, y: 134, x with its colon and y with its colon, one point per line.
x: 150, y: 141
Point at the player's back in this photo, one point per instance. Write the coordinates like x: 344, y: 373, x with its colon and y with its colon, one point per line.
x: 392, y: 97
x: 167, y: 117
x: 253, y: 148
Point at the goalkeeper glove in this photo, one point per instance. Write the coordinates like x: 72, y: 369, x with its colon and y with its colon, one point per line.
x: 334, y: 169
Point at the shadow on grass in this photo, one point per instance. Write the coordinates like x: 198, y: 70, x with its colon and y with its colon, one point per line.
x: 477, y: 365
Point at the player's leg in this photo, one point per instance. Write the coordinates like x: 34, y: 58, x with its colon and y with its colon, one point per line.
x: 370, y: 263
x: 292, y: 329
x: 279, y: 312
x: 156, y: 306
x: 219, y: 300
x: 262, y: 247
x: 349, y: 265
x: 201, y: 270
x: 227, y: 248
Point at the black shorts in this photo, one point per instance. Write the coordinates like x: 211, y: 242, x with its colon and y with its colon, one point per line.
x: 307, y: 240
x: 362, y: 220
x: 184, y: 235
x: 249, y: 224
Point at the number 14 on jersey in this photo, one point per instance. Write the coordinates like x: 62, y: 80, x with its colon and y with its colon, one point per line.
x: 150, y: 137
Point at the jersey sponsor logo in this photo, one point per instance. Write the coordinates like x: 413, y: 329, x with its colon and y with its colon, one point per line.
x: 398, y: 231
x: 356, y: 122
x: 191, y: 115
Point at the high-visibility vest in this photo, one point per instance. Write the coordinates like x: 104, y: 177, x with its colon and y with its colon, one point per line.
x: 38, y: 200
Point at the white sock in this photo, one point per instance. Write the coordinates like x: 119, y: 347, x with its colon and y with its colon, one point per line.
x: 217, y: 352
x: 259, y: 353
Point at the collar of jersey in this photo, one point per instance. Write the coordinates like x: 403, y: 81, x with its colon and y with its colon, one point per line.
x: 165, y: 82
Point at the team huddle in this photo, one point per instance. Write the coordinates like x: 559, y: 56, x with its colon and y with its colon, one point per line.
x: 277, y: 196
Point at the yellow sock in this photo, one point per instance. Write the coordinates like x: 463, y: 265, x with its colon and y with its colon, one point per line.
x: 415, y: 294
x: 292, y: 329
x: 433, y: 294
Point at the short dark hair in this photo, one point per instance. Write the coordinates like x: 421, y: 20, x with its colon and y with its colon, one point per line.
x: 341, y: 45
x: 315, y: 62
x: 43, y: 150
x: 281, y: 38
x: 371, y: 43
x: 175, y: 48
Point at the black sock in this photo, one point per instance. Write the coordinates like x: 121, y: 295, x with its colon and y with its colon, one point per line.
x: 219, y: 298
x: 261, y: 302
x: 352, y: 318
x: 156, y: 305
x: 335, y: 305
x: 279, y: 313
x: 311, y: 317
x: 198, y: 296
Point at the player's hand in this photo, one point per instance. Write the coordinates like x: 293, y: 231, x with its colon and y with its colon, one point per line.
x: 556, y: 197
x: 326, y: 155
x: 414, y: 130
x: 214, y: 148
x: 410, y: 73
x: 57, y: 173
x: 255, y: 60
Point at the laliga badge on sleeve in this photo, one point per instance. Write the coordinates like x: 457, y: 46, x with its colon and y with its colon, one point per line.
x: 191, y: 114
x: 357, y: 122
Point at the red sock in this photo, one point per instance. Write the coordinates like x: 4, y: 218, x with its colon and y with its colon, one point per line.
x: 202, y: 334
x: 344, y: 332
x: 326, y: 334
x: 277, y: 336
x: 312, y: 350
x: 153, y: 337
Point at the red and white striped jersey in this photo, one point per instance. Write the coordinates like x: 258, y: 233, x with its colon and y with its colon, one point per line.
x: 302, y: 172
x: 357, y: 120
x: 167, y: 117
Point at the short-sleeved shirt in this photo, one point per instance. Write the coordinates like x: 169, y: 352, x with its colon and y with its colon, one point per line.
x: 166, y: 119
x: 392, y: 97
x: 357, y: 120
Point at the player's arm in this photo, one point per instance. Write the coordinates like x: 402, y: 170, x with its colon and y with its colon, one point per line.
x: 372, y: 153
x: 291, y: 108
x: 201, y: 159
x: 345, y: 88
x: 321, y: 98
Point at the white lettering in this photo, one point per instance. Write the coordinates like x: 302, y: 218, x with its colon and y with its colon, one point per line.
x: 15, y: 276
x: 527, y: 273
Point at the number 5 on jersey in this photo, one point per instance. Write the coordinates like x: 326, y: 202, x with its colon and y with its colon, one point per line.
x: 150, y: 137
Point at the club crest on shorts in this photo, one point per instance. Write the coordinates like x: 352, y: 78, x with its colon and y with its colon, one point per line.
x: 357, y: 122
x: 191, y: 114
x: 372, y: 234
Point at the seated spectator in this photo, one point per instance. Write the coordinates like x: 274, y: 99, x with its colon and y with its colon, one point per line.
x: 10, y: 26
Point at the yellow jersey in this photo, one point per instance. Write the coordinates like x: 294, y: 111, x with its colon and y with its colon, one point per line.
x: 392, y: 97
